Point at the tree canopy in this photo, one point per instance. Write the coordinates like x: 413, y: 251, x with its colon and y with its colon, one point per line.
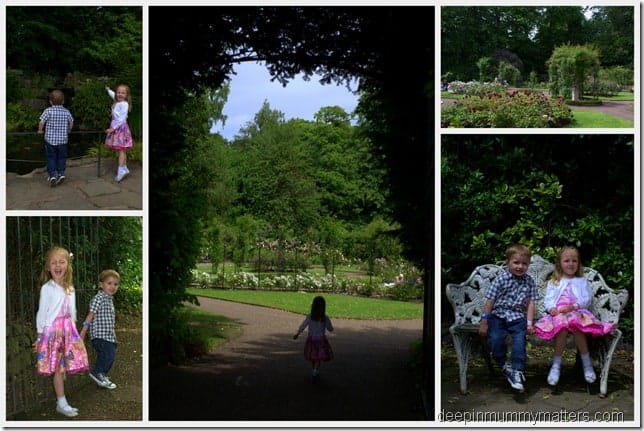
x: 532, y: 33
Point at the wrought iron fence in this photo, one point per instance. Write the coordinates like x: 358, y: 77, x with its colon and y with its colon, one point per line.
x: 25, y: 150
x: 28, y: 241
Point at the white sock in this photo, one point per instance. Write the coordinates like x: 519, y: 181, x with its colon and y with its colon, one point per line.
x: 62, y: 402
x: 556, y: 361
x: 585, y: 359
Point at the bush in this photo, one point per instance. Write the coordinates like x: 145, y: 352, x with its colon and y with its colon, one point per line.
x: 511, y: 109
x: 475, y: 87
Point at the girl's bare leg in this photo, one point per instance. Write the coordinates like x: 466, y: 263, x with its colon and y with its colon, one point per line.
x: 560, y: 342
x: 122, y: 158
x: 581, y: 342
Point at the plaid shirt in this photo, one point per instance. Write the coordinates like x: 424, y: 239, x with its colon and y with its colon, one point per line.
x: 57, y: 121
x: 511, y: 295
x: 103, y: 325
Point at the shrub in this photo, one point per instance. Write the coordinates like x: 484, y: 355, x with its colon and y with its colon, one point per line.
x: 475, y: 87
x: 508, y: 109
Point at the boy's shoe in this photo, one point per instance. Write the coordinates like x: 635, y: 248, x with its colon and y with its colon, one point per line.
x: 589, y: 375
x: 553, y: 375
x: 507, y: 370
x: 51, y: 181
x: 60, y: 180
x: 102, y: 381
x: 68, y: 411
x: 516, y: 380
x: 111, y: 385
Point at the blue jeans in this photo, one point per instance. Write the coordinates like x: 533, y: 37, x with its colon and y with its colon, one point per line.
x: 105, y: 354
x: 56, y: 159
x: 498, y: 330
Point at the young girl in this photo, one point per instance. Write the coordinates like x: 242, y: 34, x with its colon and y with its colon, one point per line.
x: 567, y: 299
x: 119, y: 137
x: 317, y: 348
x: 58, y: 345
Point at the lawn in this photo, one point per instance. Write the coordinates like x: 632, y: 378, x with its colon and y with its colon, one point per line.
x: 338, y: 306
x: 594, y: 119
x: 209, y: 329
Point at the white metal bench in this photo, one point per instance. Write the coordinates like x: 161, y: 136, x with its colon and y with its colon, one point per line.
x: 468, y: 298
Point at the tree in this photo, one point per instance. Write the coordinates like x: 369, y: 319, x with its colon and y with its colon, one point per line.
x: 568, y: 67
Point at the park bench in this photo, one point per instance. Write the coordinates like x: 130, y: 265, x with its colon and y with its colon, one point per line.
x: 468, y: 297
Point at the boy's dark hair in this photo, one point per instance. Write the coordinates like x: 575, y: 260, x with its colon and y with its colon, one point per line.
x: 57, y: 97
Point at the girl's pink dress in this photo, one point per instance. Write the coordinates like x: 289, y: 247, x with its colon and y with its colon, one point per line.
x: 120, y: 138
x: 61, y: 346
x: 580, y: 320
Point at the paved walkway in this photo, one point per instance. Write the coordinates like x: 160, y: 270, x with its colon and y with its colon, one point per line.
x: 83, y: 188
x: 262, y: 374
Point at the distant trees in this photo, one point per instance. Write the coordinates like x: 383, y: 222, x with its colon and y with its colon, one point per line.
x: 469, y: 33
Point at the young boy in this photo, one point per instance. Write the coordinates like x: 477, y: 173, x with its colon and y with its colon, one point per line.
x: 509, y: 310
x: 101, y: 321
x: 56, y: 122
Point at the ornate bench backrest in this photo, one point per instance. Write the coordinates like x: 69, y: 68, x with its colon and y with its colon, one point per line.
x: 468, y: 297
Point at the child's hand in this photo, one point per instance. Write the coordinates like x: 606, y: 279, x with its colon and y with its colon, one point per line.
x: 483, y: 328
x: 566, y: 309
x: 554, y: 312
x: 296, y: 335
x: 530, y: 329
x: 110, y: 130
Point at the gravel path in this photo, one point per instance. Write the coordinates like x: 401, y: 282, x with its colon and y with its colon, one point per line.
x: 262, y: 374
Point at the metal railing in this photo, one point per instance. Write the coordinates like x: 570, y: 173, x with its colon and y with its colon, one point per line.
x: 100, y: 139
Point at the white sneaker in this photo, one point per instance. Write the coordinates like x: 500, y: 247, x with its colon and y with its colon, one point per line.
x: 553, y: 375
x: 589, y: 375
x: 121, y: 174
x: 68, y: 411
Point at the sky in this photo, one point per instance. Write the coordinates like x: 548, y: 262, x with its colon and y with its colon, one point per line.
x: 299, y: 99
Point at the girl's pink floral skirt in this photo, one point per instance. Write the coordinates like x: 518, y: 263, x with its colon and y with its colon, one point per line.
x: 61, y: 347
x: 318, y: 349
x: 119, y: 139
x: 576, y: 321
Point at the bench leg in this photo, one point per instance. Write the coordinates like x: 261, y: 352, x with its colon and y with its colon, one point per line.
x: 605, y: 350
x: 463, y: 346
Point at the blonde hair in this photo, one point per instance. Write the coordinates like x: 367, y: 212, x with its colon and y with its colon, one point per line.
x: 57, y: 97
x: 519, y: 249
x: 45, y: 275
x: 104, y: 275
x: 128, y: 97
x: 558, y: 272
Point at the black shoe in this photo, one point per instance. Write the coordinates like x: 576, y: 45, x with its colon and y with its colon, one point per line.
x: 60, y: 180
x: 52, y: 181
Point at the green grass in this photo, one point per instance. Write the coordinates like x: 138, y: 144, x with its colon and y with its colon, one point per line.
x: 339, y: 306
x: 623, y: 96
x: 590, y: 118
x: 209, y: 329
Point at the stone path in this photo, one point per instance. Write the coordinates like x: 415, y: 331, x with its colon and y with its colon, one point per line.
x: 83, y: 188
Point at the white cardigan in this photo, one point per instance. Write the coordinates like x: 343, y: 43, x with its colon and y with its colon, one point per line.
x: 119, y: 110
x: 580, y: 289
x: 52, y: 297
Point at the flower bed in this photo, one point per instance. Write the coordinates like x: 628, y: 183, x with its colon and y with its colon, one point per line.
x: 507, y: 109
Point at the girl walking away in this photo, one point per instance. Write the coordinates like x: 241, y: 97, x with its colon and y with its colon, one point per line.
x: 317, y: 348
x: 119, y: 137
x: 567, y: 299
x: 58, y: 346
